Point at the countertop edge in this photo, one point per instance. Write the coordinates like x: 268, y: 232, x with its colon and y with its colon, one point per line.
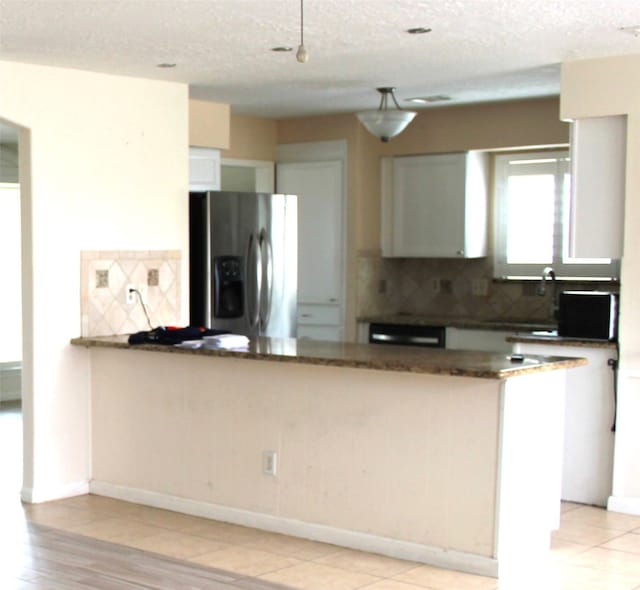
x: 560, y: 341
x: 382, y: 364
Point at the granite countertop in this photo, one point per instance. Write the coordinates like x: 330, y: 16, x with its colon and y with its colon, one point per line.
x: 508, y: 325
x: 526, y: 330
x: 556, y: 340
x: 382, y: 357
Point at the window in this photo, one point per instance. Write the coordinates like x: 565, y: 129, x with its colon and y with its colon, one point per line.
x: 531, y: 204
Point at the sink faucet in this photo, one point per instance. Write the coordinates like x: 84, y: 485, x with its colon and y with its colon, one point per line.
x: 549, y: 273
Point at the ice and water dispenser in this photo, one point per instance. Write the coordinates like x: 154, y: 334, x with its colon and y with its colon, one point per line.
x: 228, y: 282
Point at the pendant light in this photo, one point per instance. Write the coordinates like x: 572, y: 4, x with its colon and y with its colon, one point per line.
x: 386, y: 123
x: 302, y: 55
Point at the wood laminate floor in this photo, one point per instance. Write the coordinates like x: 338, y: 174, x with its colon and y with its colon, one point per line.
x: 96, y: 543
x: 46, y: 558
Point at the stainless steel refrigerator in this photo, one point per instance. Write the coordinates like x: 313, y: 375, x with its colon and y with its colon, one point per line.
x: 243, y: 262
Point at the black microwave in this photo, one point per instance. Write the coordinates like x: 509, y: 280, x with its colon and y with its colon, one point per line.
x: 588, y: 314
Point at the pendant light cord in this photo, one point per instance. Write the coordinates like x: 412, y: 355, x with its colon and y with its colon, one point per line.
x: 302, y: 55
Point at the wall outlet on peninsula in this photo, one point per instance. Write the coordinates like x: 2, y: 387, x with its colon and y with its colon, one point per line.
x: 129, y: 294
x: 269, y: 462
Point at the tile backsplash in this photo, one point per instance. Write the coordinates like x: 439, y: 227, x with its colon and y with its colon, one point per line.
x: 450, y: 288
x: 104, y: 277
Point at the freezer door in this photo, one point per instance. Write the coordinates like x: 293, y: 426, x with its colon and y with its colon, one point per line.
x: 235, y: 262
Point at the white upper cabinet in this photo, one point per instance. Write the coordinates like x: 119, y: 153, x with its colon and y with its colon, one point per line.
x: 204, y: 169
x: 598, y: 153
x: 435, y: 206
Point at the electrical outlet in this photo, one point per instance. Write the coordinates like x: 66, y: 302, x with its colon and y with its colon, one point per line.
x: 269, y: 462
x: 130, y: 294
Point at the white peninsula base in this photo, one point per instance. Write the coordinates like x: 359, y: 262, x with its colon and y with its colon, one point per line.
x: 457, y: 472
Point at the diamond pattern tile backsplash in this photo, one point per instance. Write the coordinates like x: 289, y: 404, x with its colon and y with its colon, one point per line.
x: 105, y: 276
x: 450, y: 288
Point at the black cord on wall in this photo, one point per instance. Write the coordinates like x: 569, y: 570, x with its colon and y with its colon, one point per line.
x: 144, y: 307
x: 613, y: 363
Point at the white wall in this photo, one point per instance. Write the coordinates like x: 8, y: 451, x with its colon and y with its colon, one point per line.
x: 103, y: 165
x: 596, y: 88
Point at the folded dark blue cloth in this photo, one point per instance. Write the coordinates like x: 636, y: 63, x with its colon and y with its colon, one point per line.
x: 172, y: 335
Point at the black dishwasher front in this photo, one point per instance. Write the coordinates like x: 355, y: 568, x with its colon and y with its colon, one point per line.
x: 407, y: 335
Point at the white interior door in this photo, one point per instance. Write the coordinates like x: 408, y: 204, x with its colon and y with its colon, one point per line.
x: 319, y: 186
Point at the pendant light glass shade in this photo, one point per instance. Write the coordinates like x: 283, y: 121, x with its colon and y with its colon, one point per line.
x: 383, y: 122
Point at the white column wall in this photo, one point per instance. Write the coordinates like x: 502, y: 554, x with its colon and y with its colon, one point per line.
x: 104, y: 165
x: 595, y: 88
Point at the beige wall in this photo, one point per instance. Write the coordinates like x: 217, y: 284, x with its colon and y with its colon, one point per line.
x: 593, y: 88
x: 252, y: 138
x: 209, y: 124
x: 482, y: 126
x: 485, y: 126
x: 103, y: 165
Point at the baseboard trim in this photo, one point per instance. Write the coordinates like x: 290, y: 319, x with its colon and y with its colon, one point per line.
x: 625, y: 505
x: 38, y: 495
x: 456, y: 560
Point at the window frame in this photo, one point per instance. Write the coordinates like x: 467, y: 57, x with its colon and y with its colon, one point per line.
x: 588, y: 270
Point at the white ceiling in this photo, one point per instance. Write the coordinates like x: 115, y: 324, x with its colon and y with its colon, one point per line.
x: 479, y: 50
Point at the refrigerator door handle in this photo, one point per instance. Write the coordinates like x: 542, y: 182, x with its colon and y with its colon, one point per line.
x: 266, y: 251
x: 253, y: 276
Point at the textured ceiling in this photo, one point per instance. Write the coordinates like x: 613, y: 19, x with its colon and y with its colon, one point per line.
x: 479, y: 50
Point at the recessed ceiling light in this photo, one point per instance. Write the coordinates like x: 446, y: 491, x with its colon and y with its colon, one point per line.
x: 429, y: 99
x: 166, y: 65
x: 635, y: 30
x: 418, y: 31
x: 282, y: 49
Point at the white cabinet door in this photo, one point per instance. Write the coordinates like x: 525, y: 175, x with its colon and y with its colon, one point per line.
x: 204, y: 169
x: 598, y: 153
x: 320, y: 227
x: 435, y: 206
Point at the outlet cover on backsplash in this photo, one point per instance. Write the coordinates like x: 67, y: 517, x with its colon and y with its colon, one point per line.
x: 104, y: 276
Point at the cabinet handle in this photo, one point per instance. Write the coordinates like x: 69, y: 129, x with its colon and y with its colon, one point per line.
x: 305, y: 315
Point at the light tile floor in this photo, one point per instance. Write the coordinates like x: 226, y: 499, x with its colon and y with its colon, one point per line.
x: 593, y: 550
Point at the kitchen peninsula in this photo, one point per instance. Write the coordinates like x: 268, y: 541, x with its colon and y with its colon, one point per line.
x: 445, y: 457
